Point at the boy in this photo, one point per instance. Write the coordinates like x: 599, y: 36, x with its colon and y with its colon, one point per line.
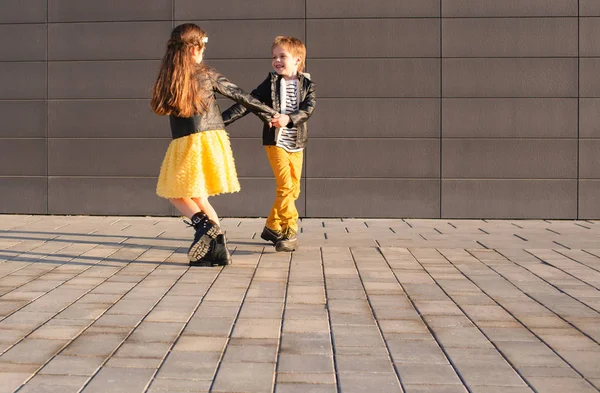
x: 291, y: 93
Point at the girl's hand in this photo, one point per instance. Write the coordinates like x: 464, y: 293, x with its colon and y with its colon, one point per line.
x: 271, y: 122
x: 280, y: 121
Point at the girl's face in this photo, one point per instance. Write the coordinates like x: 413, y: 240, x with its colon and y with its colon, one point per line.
x: 284, y: 63
x: 198, y: 54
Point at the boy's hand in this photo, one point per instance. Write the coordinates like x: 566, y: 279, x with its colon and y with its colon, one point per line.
x: 279, y: 121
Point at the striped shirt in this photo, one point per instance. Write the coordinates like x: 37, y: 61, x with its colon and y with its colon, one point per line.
x: 287, y: 137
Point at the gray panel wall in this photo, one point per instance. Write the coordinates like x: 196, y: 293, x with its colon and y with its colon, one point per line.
x: 509, y: 108
x: 426, y: 108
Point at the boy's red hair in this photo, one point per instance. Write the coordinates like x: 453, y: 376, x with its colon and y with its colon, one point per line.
x: 294, y: 46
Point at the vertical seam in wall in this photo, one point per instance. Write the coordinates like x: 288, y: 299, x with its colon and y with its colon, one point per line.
x: 305, y: 155
x: 47, y: 104
x: 172, y: 210
x: 441, y: 105
x: 578, y: 99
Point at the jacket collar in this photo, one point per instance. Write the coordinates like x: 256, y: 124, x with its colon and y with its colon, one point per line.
x: 275, y: 77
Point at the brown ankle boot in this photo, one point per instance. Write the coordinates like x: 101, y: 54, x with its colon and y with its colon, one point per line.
x: 288, y: 241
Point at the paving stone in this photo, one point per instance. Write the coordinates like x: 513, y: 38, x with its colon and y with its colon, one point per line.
x: 543, y: 322
x: 22, y: 295
x: 114, y: 330
x: 225, y: 295
x: 345, y: 294
x: 123, y: 362
x: 403, y: 326
x: 179, y: 385
x: 154, y: 350
x: 183, y: 365
x: 353, y: 319
x: 305, y: 388
x: 557, y: 372
x: 33, y: 351
x: 72, y: 365
x: 309, y: 326
x: 200, y: 344
x: 161, y: 315
x: 430, y: 308
x: 500, y: 374
x: 441, y: 321
x: 368, y: 383
x: 257, y: 328
x: 530, y: 354
x: 54, y: 384
x: 250, y: 353
x: 258, y: 310
x: 479, y: 299
x: 363, y: 363
x: 487, y: 313
x: 300, y: 363
x: 305, y: 311
x: 306, y: 343
x: 93, y: 344
x: 356, y: 336
x: 68, y: 322
x: 415, y: 351
x: 11, y: 336
x: 152, y: 332
x: 99, y: 298
x: 349, y: 306
x: 253, y: 341
x: 586, y: 362
x: 119, y: 380
x: 432, y: 374
x: 12, y: 380
x: 9, y: 306
x: 561, y: 385
x: 246, y: 377
x: 56, y: 332
x: 509, y: 334
x: 394, y: 313
x: 210, y: 326
x: 304, y: 378
x: 465, y: 337
x: 8, y: 367
x: 434, y: 389
x: 565, y: 342
x: 25, y: 320
x: 128, y: 321
x: 218, y: 310
x: 366, y: 351
x: 113, y: 288
x: 499, y: 324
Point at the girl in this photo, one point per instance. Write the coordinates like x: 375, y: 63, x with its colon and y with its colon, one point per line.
x: 199, y: 162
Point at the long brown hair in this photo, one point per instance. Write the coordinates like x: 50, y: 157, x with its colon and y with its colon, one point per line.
x: 176, y: 91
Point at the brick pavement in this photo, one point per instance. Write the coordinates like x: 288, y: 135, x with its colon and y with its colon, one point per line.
x: 109, y: 304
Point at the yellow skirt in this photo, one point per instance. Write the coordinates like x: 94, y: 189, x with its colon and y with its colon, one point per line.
x: 198, y: 165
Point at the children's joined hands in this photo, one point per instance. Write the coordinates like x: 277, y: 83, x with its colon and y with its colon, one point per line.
x: 279, y: 121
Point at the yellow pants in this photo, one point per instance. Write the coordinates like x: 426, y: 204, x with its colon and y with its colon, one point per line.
x: 287, y: 168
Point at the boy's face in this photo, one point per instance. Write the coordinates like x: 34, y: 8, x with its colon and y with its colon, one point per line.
x: 284, y: 63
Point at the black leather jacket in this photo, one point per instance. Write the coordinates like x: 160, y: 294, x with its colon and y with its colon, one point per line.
x: 210, y: 81
x: 268, y: 92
